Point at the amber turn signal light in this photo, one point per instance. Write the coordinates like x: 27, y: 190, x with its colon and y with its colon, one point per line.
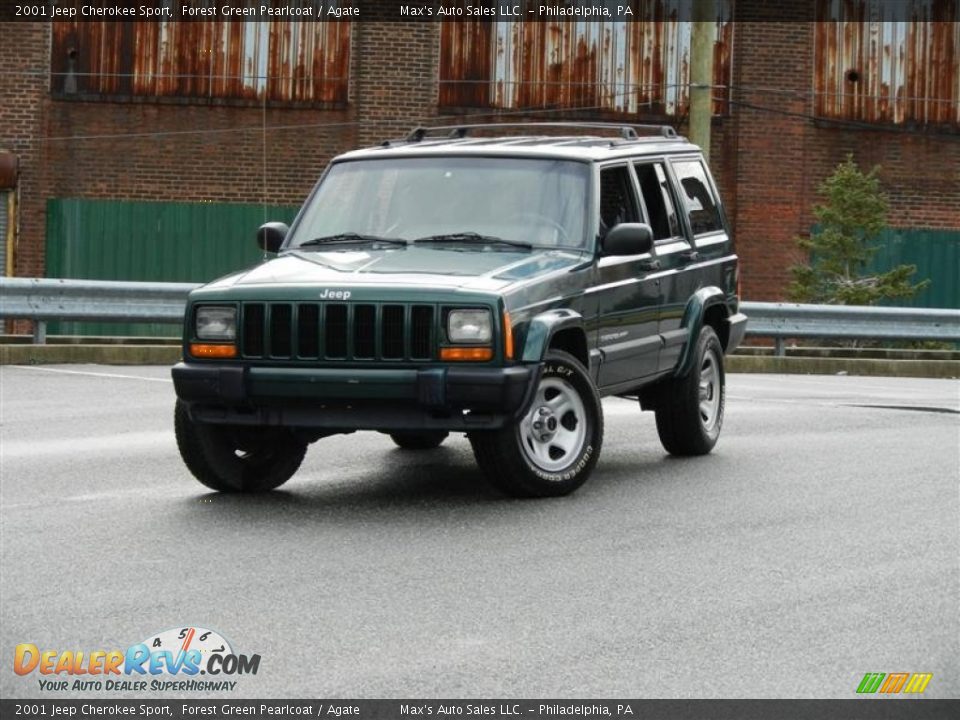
x: 508, y: 336
x: 476, y: 354
x: 213, y: 351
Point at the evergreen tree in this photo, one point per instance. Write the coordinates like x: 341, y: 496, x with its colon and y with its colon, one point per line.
x: 854, y: 213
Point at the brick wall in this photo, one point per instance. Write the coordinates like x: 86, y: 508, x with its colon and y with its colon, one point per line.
x: 772, y: 151
x: 24, y: 57
x: 139, y: 151
x: 782, y: 155
x: 394, y: 77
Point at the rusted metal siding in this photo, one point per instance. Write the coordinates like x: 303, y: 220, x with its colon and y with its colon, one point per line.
x: 287, y: 60
x: 465, y: 52
x: 639, y: 65
x: 888, y: 62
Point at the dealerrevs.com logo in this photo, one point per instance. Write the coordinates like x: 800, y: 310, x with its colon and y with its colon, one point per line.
x: 172, y: 660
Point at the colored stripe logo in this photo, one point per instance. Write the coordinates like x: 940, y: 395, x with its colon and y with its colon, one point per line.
x: 908, y: 683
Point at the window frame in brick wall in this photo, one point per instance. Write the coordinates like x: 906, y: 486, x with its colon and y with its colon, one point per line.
x: 210, y: 62
x: 888, y: 63
x: 638, y: 66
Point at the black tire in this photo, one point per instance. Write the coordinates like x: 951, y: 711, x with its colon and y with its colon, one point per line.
x: 552, y: 458
x: 425, y: 440
x: 237, y: 459
x: 690, y: 409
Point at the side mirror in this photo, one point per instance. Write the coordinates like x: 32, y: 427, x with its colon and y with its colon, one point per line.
x: 271, y: 235
x: 628, y: 239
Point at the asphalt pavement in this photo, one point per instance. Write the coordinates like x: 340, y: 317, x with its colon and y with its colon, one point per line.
x: 820, y: 541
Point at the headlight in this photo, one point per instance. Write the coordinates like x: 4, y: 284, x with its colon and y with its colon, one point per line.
x: 469, y: 326
x: 216, y: 323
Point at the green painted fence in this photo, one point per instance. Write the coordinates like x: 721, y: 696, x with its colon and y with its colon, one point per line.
x: 149, y: 241
x: 936, y: 253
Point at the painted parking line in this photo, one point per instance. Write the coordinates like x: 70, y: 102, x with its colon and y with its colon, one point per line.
x: 91, y: 374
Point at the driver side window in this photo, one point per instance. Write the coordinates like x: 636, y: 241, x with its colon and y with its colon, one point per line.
x: 617, y: 201
x: 657, y: 197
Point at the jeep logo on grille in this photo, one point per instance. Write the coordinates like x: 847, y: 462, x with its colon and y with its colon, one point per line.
x: 335, y: 295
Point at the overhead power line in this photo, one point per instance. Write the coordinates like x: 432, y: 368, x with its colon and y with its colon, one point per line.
x: 633, y: 87
x: 733, y: 90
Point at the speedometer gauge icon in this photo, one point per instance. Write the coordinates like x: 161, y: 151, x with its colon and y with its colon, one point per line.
x: 184, y: 639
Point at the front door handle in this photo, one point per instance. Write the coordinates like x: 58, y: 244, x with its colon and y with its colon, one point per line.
x: 689, y: 255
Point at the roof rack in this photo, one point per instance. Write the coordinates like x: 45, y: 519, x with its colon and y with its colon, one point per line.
x: 625, y: 132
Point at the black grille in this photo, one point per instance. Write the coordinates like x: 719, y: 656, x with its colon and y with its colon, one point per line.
x: 391, y: 332
x: 338, y: 331
x: 335, y: 333
x: 253, y: 330
x: 281, y: 340
x: 364, y: 329
x: 421, y: 332
x: 308, y: 331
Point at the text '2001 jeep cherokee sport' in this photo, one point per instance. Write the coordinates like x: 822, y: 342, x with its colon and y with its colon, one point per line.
x: 453, y: 282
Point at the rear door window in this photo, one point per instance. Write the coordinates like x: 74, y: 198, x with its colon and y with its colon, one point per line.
x: 698, y: 198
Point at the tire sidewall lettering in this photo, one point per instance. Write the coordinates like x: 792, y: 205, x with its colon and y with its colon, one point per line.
x: 561, y: 371
x: 568, y: 474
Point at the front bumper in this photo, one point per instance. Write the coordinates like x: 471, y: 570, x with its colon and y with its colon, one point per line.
x: 736, y: 328
x: 442, y: 398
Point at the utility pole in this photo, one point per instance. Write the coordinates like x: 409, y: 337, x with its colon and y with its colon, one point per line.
x: 701, y: 73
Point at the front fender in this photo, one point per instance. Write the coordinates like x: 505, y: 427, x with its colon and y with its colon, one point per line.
x: 693, y: 320
x: 543, y: 327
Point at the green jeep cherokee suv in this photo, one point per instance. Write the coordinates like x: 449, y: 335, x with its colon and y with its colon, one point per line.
x: 455, y: 281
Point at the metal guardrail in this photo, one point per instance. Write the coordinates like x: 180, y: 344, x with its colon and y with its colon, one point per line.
x: 42, y: 300
x: 790, y: 320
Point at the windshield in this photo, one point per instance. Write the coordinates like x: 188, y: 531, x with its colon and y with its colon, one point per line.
x: 463, y: 200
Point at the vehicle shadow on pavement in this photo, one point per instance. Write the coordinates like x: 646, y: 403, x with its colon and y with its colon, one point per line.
x: 389, y: 483
x: 434, y: 478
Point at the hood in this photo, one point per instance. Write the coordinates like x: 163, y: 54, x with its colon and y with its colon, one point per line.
x: 446, y: 268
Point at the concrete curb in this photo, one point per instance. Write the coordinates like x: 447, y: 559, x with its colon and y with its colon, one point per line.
x: 168, y: 355
x: 847, y: 366
x: 93, y: 354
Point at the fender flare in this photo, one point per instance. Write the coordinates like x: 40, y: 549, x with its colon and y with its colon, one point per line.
x: 543, y: 327
x: 693, y: 316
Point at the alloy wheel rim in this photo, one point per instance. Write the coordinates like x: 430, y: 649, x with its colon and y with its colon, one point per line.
x: 709, y: 392
x: 554, y: 430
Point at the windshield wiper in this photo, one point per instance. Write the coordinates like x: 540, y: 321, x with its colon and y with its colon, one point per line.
x: 472, y: 237
x: 351, y: 238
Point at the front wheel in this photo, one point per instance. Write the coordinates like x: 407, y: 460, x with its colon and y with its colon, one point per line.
x: 690, y: 409
x: 554, y: 447
x: 236, y: 458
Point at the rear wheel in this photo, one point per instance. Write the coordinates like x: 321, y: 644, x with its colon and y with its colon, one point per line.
x: 235, y: 458
x: 553, y: 449
x: 690, y: 409
x: 425, y: 440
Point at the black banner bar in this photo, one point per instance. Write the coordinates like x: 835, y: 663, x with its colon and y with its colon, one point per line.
x: 549, y: 11
x: 853, y: 709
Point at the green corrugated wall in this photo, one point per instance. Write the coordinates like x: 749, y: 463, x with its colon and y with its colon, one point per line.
x: 149, y: 241
x: 936, y: 253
